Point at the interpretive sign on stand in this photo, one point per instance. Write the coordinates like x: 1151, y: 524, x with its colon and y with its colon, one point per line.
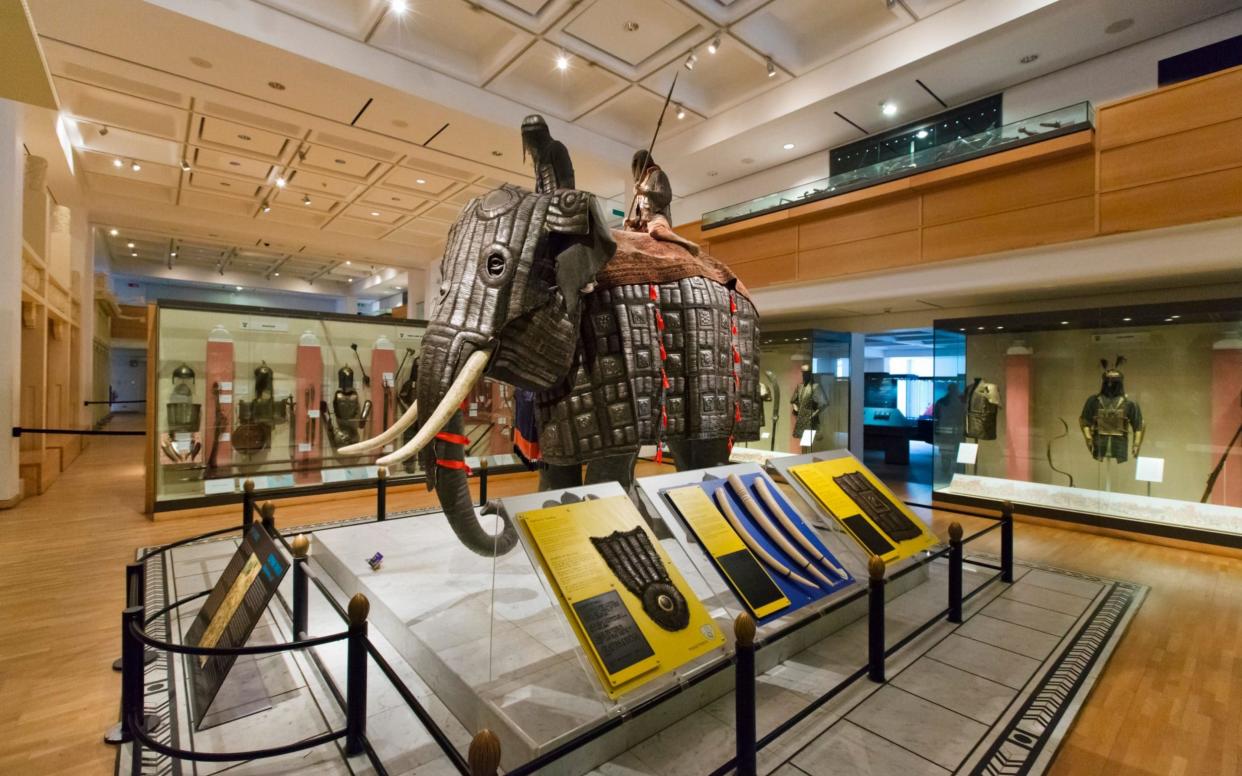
x: 231, y: 611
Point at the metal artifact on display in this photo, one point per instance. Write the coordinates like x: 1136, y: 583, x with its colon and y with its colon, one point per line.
x: 1110, y: 417
x: 184, y: 418
x: 348, y: 414
x: 982, y: 407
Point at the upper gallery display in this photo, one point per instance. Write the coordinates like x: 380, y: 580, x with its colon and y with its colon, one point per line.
x: 623, y: 337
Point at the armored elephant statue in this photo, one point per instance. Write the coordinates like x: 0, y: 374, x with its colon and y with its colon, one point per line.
x: 625, y: 340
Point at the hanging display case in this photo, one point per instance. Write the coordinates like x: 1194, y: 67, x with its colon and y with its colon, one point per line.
x: 1125, y: 417
x: 241, y: 393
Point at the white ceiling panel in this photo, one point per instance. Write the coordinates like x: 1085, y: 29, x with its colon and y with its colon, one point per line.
x: 463, y: 197
x: 109, y: 108
x: 445, y: 213
x: 451, y: 36
x: 924, y: 8
x: 104, y: 164
x: 631, y: 117
x: 203, y: 200
x: 339, y: 163
x: 313, y: 202
x: 801, y: 34
x: 358, y: 228
x: 354, y: 18
x: 296, y: 215
x: 632, y: 31
x: 534, y: 15
x: 128, y: 146
x: 391, y: 199
x: 218, y: 184
x: 112, y: 186
x: 731, y: 76
x: 412, y: 180
x: 534, y: 79
x: 311, y: 182
x: 234, y: 137
x: 403, y: 116
x: 374, y: 214
x: 231, y: 164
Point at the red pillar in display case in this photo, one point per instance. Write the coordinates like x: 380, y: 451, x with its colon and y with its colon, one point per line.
x: 1017, y: 406
x: 1226, y: 417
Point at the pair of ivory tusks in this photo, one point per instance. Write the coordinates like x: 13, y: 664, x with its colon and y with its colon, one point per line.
x: 765, y: 495
x: 722, y: 501
x: 465, y: 380
x: 768, y: 527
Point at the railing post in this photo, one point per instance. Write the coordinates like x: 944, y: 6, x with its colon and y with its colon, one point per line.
x: 381, y: 493
x: 136, y: 595
x: 955, y: 572
x: 875, y: 620
x: 483, y: 482
x: 247, y: 504
x: 267, y: 512
x: 1007, y: 542
x: 356, y: 676
x: 483, y: 756
x: 744, y: 694
x: 300, y: 546
x: 132, y: 685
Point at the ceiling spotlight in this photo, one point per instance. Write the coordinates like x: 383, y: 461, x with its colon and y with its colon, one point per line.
x: 173, y: 255
x: 185, y: 166
x: 129, y: 245
x: 498, y: 153
x: 681, y: 112
x: 267, y: 208
x: 305, y: 199
x: 690, y: 60
x: 280, y: 182
x: 135, y: 254
x: 277, y: 85
x: 117, y: 163
x: 135, y: 166
x: 346, y: 262
x: 420, y: 181
x: 771, y: 68
x: 375, y: 212
x: 1065, y: 323
x: 113, y: 232
x: 1029, y: 58
x: 398, y: 6
x: 351, y: 280
x: 714, y: 46
x: 788, y: 146
x: 922, y: 133
x: 562, y: 62
x: 275, y: 274
x: 888, y: 108
x: 237, y: 287
x: 1126, y: 319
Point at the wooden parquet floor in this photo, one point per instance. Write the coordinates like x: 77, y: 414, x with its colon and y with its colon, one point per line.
x: 1169, y: 701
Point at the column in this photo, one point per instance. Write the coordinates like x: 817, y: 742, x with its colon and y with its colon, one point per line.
x: 11, y: 176
x: 1016, y: 408
x: 1226, y: 418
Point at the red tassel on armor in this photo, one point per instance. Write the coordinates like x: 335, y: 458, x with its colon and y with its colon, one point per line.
x: 655, y: 295
x: 664, y: 378
x: 732, y: 303
x: 663, y: 417
x: 659, y: 453
x: 737, y: 413
x: 663, y: 354
x: 659, y: 321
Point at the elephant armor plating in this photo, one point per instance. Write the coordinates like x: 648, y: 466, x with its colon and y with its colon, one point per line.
x: 622, y: 346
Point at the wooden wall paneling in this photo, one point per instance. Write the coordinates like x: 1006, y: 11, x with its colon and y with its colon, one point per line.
x: 1059, y: 179
x: 1203, y: 149
x: 1015, y: 158
x: 763, y: 258
x: 1208, y: 100
x: 1167, y: 203
x: 1072, y: 219
x: 900, y: 249
x: 858, y: 223
x: 767, y: 271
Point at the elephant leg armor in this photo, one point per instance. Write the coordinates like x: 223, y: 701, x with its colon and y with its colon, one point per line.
x: 699, y: 453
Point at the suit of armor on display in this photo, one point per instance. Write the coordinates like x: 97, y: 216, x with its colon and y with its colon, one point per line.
x: 183, y: 416
x: 807, y: 402
x: 653, y: 198
x: 1110, y: 416
x: 257, y: 416
x: 553, y: 168
x: 348, y: 415
x: 775, y: 389
x: 982, y: 407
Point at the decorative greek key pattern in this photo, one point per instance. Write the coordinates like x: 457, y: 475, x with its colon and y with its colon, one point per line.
x: 158, y: 677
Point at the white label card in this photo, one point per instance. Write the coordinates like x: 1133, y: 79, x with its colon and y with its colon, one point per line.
x: 312, y: 413
x: 808, y: 438
x: 214, y: 487
x: 389, y: 379
x: 225, y: 436
x: 1149, y: 469
x: 265, y: 325
x: 182, y: 445
x: 967, y: 453
x: 304, y: 447
x: 226, y: 398
x: 764, y: 434
x: 226, y: 385
x: 410, y: 335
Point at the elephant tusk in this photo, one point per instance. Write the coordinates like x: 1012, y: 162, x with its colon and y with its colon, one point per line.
x: 768, y: 527
x: 722, y: 501
x: 461, y: 386
x: 386, y: 436
x: 765, y: 495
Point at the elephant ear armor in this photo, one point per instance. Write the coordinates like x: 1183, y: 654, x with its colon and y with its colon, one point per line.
x: 578, y: 213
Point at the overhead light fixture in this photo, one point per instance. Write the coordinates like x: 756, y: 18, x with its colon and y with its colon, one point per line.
x: 888, y: 108
x: 135, y: 166
x: 1029, y: 58
x: 113, y: 232
x: 398, y: 6
x: 562, y: 62
x: 129, y: 245
x: 375, y: 212
x: 1065, y: 323
x: 267, y: 208
x: 305, y: 199
x: 714, y: 46
x: 771, y: 68
x: 922, y: 133
x: 1126, y: 319
x: 172, y: 255
x: 351, y: 280
x: 134, y: 254
x: 275, y: 274
x: 117, y: 163
x: 788, y: 146
x: 346, y: 263
x: 691, y: 59
x: 277, y: 85
x: 280, y: 182
x: 239, y: 288
x: 185, y: 166
x: 420, y: 181
x: 681, y: 112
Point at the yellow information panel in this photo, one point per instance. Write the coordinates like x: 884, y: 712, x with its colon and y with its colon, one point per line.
x: 629, y: 607
x: 868, y: 510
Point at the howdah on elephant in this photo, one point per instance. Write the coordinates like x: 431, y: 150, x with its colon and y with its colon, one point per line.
x: 625, y: 340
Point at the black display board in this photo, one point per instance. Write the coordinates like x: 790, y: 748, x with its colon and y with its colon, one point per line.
x: 231, y: 611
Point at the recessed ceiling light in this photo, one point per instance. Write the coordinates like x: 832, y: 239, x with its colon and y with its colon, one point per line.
x: 375, y: 212
x: 630, y: 26
x: 243, y: 136
x: 691, y: 59
x: 498, y: 153
x: 280, y: 182
x: 400, y: 123
x: 275, y: 274
x: 237, y: 287
x: 277, y: 85
x: 714, y: 46
x: 888, y: 108
x: 1065, y: 323
x: 173, y: 255
x: 200, y: 62
x: 771, y: 68
x: 980, y: 328
x: 267, y: 208
x: 346, y: 262
x: 398, y: 6
x: 135, y: 166
x: 305, y: 199
x: 129, y: 245
x: 117, y: 163
x: 420, y: 181
x: 113, y: 232
x: 998, y: 328
x: 234, y: 163
x: 562, y: 62
x: 681, y: 112
x: 351, y: 280
x: 922, y: 133
x: 134, y: 253
x: 338, y: 161
x: 712, y: 173
x: 1029, y: 58
x: 1126, y: 319
x: 185, y: 166
x: 1175, y: 317
x: 1121, y: 25
x: 788, y: 146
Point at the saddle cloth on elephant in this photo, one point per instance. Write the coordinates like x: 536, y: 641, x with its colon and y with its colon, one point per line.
x: 668, y: 350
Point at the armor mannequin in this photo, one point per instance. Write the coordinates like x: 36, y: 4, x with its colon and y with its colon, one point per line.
x: 553, y: 167
x: 348, y: 415
x: 982, y: 406
x: 257, y: 416
x: 806, y: 403
x: 1109, y: 416
x: 653, y: 197
x: 183, y: 413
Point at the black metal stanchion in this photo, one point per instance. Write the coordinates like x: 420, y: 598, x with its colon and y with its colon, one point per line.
x: 955, y: 572
x: 381, y: 493
x: 356, y: 676
x: 483, y: 482
x: 247, y: 504
x: 483, y: 756
x: 1007, y: 542
x: 875, y: 620
x: 744, y: 694
x: 267, y: 512
x: 136, y: 595
x: 300, y: 546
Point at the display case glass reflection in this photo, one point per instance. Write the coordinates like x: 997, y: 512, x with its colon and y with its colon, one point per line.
x: 1126, y: 412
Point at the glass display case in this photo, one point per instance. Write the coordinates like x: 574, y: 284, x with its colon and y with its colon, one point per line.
x: 1045, y: 126
x: 271, y: 395
x: 804, y: 382
x: 1127, y: 417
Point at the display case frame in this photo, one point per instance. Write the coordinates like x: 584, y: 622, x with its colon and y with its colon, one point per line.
x: 1182, y: 371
